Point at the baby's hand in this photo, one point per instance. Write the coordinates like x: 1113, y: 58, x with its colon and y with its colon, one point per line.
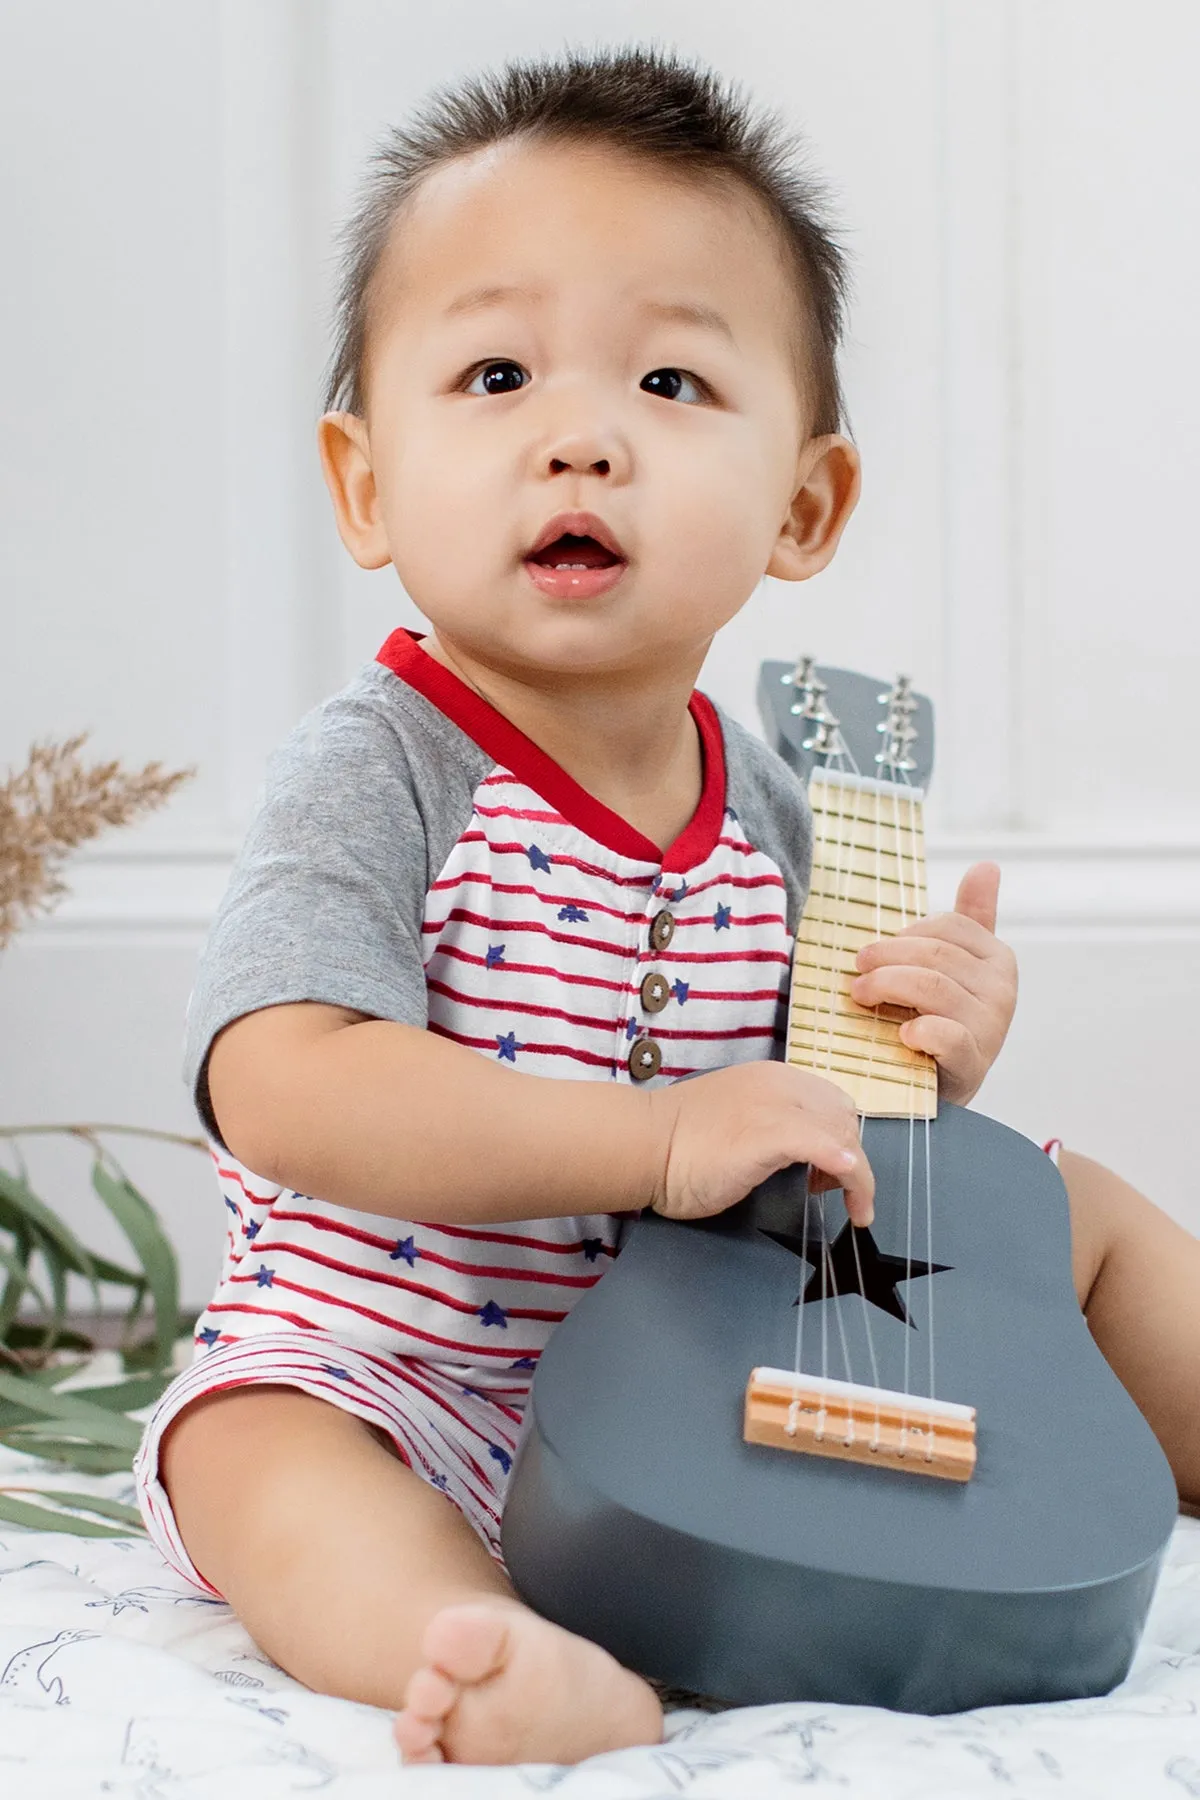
x: 961, y: 980
x: 726, y: 1132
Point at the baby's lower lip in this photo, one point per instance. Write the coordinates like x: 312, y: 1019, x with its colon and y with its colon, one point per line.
x: 573, y: 584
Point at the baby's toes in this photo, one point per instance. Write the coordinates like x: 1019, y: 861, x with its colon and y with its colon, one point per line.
x: 418, y: 1740
x: 428, y: 1699
x: 430, y: 1695
x: 469, y: 1643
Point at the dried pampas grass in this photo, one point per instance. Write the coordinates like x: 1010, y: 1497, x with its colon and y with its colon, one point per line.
x: 54, y: 804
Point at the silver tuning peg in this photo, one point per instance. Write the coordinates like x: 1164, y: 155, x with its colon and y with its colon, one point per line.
x: 825, y: 739
x: 802, y: 674
x: 901, y: 699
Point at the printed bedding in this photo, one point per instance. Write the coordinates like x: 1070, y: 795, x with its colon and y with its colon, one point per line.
x: 117, y: 1680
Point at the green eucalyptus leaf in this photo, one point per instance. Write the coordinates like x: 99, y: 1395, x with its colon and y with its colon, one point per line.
x: 116, y: 1274
x: 15, y: 1288
x: 56, y: 1268
x: 86, y: 1459
x: 140, y: 1223
x: 21, y: 1202
x: 100, y: 1504
x: 30, y: 1334
x: 92, y: 1423
x: 18, y: 1269
x: 124, y: 1396
x: 44, y: 1518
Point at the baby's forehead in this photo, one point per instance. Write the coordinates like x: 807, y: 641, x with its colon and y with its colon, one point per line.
x: 546, y: 217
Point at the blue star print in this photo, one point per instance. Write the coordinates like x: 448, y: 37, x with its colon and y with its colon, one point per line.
x: 675, y: 893
x: 265, y: 1278
x: 524, y: 1362
x: 722, y: 917
x: 231, y: 1204
x: 252, y: 1228
x: 406, y: 1248
x: 538, y: 858
x: 209, y: 1335
x: 495, y: 955
x: 501, y: 1456
x: 573, y: 914
x: 631, y: 1029
x: 680, y: 991
x: 339, y: 1374
x: 507, y: 1046
x: 491, y: 1314
x: 439, y: 1481
x: 592, y: 1247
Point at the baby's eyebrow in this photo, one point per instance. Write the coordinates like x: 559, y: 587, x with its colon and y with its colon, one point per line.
x: 673, y: 312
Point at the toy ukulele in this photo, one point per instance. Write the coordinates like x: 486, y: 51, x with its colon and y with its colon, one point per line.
x: 772, y: 1457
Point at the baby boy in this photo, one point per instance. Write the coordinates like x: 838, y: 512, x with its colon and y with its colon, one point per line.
x: 518, y: 877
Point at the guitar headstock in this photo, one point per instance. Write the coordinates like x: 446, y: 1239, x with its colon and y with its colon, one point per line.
x: 818, y: 717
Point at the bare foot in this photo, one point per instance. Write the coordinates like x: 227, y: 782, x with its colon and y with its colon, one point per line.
x: 501, y: 1685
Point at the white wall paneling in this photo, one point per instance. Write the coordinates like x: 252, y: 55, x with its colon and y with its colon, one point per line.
x: 279, y: 638
x: 1014, y: 182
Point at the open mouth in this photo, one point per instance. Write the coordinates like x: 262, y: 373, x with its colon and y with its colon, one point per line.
x: 571, y: 552
x: 572, y: 562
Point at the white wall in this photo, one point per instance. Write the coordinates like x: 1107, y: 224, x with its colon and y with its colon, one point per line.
x: 1017, y: 182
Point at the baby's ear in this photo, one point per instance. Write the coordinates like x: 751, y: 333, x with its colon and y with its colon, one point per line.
x: 829, y: 479
x: 345, y: 452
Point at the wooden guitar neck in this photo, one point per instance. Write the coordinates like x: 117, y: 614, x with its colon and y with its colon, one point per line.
x: 868, y: 881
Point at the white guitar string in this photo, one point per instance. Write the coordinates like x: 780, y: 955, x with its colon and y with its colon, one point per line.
x: 828, y: 1275
x: 794, y: 1408
x: 917, y: 860
x: 820, y: 845
x: 821, y: 842
x: 912, y: 1108
x: 862, y: 1121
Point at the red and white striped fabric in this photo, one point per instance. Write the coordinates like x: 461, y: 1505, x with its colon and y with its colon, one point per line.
x: 542, y: 932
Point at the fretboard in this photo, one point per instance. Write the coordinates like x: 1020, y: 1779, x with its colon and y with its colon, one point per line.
x: 868, y: 881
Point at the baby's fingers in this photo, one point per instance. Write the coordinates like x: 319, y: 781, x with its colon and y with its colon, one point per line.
x: 835, y: 1166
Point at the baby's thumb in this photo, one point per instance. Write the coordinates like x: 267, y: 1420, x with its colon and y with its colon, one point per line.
x: 978, y: 893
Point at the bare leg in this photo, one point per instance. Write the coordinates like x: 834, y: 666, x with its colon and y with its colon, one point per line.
x: 1137, y: 1275
x: 361, y: 1580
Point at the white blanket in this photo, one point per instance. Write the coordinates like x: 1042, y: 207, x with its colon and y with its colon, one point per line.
x: 116, y: 1679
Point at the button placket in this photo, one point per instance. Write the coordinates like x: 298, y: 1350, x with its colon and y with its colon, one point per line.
x: 645, y: 1053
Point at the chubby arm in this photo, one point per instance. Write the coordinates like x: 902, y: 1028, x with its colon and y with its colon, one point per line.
x: 387, y: 1118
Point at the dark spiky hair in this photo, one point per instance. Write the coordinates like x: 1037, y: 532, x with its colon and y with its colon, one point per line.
x: 644, y: 102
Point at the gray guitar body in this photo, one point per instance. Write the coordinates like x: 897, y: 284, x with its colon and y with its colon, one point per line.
x: 639, y: 1517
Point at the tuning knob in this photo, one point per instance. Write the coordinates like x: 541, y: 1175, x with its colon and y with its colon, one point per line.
x: 825, y: 739
x: 802, y: 675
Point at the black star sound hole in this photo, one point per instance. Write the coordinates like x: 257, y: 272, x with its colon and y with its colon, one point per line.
x: 838, y: 1270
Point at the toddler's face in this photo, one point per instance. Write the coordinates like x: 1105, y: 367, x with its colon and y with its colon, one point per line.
x: 560, y: 332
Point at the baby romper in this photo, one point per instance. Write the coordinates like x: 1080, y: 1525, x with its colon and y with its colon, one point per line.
x: 416, y: 857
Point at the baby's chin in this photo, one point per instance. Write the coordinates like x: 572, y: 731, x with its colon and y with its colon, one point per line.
x: 574, y: 646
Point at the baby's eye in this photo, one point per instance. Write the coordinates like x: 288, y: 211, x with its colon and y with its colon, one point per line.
x: 673, y: 384
x: 501, y: 377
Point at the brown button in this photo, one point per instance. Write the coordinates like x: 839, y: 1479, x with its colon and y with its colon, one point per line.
x: 645, y: 1059
x: 662, y: 929
x: 655, y: 992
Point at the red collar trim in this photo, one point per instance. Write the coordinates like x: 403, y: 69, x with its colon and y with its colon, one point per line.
x: 510, y: 747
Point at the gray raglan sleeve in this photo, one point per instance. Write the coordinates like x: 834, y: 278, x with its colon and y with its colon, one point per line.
x: 772, y: 804
x: 327, y: 896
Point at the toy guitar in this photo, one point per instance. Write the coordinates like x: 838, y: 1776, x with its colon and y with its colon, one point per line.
x: 771, y: 1457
